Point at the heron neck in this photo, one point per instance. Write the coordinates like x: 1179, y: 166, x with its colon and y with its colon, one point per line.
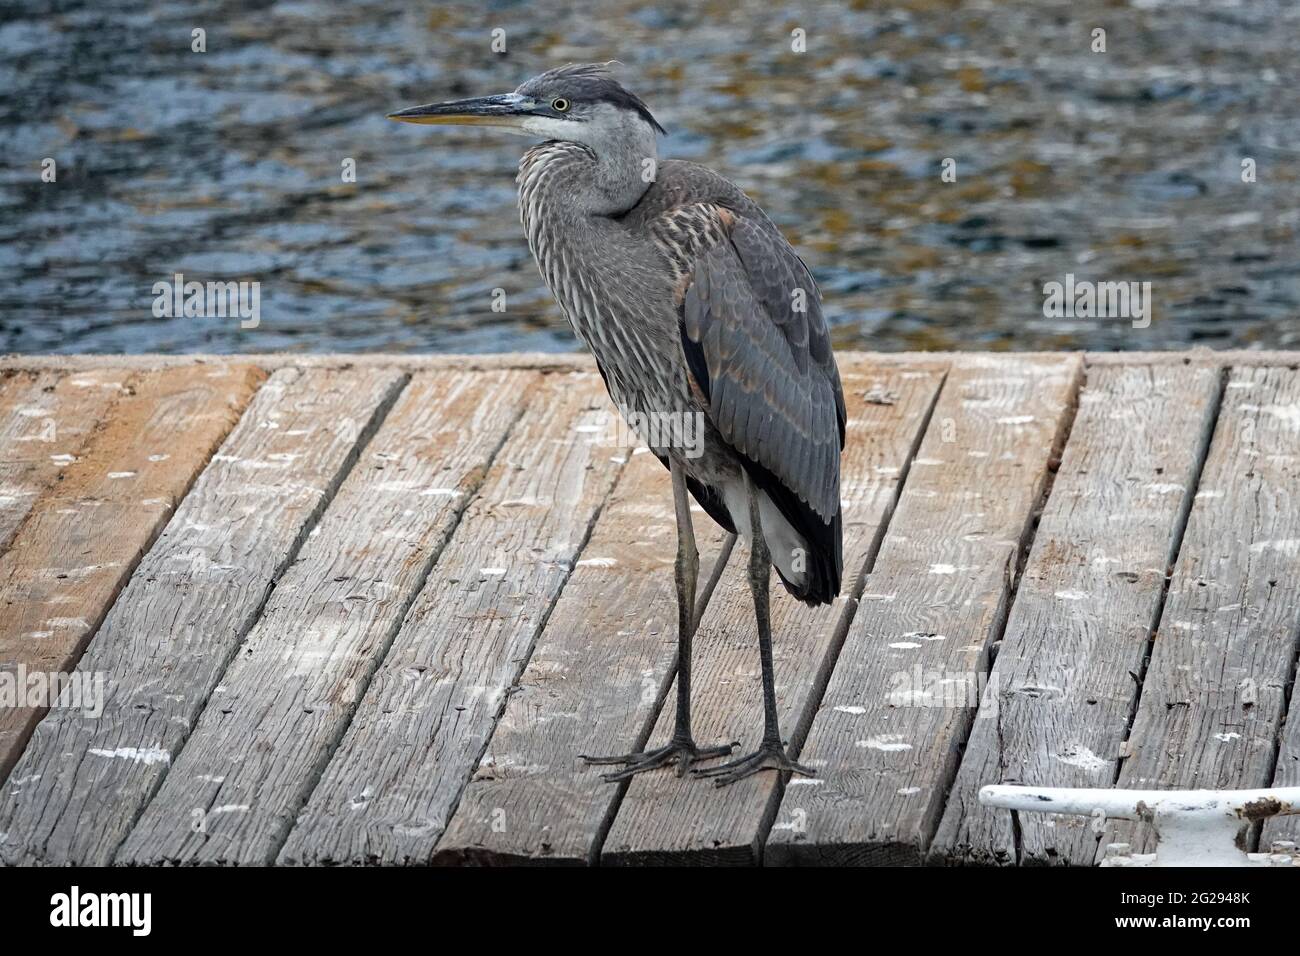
x: 578, y: 181
x: 576, y: 235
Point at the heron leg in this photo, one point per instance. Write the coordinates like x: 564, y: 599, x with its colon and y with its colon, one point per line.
x: 681, y: 748
x: 771, y: 753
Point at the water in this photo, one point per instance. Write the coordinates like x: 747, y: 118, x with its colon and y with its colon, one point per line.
x: 227, y: 165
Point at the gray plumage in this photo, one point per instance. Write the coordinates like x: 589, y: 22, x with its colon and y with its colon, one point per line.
x: 691, y: 301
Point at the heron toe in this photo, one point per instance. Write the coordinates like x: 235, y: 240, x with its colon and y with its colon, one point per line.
x: 769, y: 756
x: 682, y: 752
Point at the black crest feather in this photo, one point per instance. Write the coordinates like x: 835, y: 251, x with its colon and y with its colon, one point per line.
x: 592, y: 82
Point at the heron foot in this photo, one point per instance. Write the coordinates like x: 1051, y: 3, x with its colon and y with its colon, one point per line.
x: 679, y: 750
x: 769, y: 756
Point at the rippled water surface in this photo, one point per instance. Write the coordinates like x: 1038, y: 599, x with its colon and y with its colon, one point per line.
x: 226, y: 165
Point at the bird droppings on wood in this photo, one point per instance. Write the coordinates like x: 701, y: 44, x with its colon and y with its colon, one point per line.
x: 147, y: 755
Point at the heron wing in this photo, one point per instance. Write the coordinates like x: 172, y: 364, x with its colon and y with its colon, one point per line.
x: 757, y: 344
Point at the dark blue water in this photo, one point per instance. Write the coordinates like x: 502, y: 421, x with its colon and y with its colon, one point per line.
x: 226, y: 165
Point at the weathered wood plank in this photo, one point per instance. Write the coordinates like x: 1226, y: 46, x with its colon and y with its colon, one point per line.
x: 282, y: 706
x: 1214, y: 693
x: 592, y: 684
x: 1062, y: 690
x: 45, y: 421
x: 901, y: 699
x: 1286, y: 774
x: 82, y: 780
x: 668, y: 819
x: 423, y: 723
x: 27, y: 430
x: 80, y: 542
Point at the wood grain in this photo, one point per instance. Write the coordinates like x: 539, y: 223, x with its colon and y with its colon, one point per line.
x: 1063, y: 687
x: 84, y: 779
x: 1214, y: 695
x: 1286, y: 773
x: 667, y: 819
x: 45, y: 421
x: 900, y: 702
x: 81, y: 540
x: 426, y: 717
x: 282, y: 705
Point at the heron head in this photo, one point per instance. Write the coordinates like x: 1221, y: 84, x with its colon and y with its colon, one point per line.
x: 580, y: 103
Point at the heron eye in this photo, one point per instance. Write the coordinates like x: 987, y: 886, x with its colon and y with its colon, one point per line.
x: 560, y: 104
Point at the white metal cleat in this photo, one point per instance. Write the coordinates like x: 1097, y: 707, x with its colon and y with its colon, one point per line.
x: 1192, y: 827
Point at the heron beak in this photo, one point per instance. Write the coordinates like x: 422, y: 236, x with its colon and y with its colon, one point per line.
x: 505, y: 109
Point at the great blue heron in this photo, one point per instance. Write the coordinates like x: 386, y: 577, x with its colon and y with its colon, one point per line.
x: 697, y: 311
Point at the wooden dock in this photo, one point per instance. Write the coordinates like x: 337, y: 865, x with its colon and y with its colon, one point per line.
x: 357, y: 610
